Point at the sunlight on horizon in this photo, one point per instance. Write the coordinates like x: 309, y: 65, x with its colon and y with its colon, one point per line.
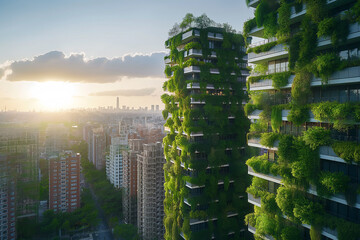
x: 53, y: 95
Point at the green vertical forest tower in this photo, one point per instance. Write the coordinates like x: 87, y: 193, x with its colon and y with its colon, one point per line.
x: 305, y: 111
x: 205, y: 171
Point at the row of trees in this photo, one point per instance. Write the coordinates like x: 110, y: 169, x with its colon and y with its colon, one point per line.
x: 110, y: 199
x: 51, y: 224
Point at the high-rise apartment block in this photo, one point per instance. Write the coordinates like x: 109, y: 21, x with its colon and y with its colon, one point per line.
x: 130, y: 180
x: 97, y: 146
x: 150, y: 191
x: 64, y: 182
x: 205, y: 169
x: 114, y: 168
x: 18, y: 172
x: 7, y: 199
x: 304, y: 108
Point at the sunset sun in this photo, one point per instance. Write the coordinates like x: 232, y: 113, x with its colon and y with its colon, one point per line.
x: 53, y: 95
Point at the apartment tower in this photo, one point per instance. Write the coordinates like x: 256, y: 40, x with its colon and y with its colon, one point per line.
x: 130, y: 180
x: 150, y: 191
x: 64, y: 182
x: 304, y: 108
x: 7, y: 198
x: 205, y: 173
x: 114, y: 170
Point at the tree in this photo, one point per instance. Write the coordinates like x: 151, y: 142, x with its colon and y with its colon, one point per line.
x: 174, y: 30
x: 187, y: 21
x: 228, y: 28
x: 126, y: 231
x: 203, y: 21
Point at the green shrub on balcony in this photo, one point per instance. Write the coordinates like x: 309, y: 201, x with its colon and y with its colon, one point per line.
x: 280, y: 79
x: 261, y: 12
x: 265, y: 225
x: 268, y: 203
x: 349, y: 151
x: 355, y: 12
x: 300, y: 90
x: 258, y: 187
x: 248, y: 26
x: 336, y: 28
x: 257, y: 128
x: 192, y: 45
x: 339, y: 114
x: 283, y: 32
x: 285, y: 200
x: 268, y: 139
x: 334, y: 182
x: 307, y: 43
x: 259, y: 164
x: 276, y: 118
x: 325, y: 65
x: 287, y: 150
x: 249, y: 108
x: 317, y: 136
x: 270, y: 25
x: 316, y: 9
x: 298, y: 114
x: 262, y: 48
x: 290, y: 232
x: 307, y: 211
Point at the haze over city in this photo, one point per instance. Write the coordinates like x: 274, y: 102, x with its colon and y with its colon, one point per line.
x: 83, y: 54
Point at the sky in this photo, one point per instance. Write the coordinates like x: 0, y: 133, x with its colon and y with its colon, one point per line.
x: 85, y: 53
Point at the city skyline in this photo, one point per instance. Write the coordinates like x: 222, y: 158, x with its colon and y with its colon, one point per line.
x: 76, y: 55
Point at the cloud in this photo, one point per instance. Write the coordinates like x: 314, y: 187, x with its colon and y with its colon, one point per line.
x: 125, y: 92
x: 55, y: 66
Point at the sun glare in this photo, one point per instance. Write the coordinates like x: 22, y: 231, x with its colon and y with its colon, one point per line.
x: 53, y: 95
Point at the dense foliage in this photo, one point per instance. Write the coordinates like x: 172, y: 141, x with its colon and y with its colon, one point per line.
x: 188, y: 158
x: 296, y: 160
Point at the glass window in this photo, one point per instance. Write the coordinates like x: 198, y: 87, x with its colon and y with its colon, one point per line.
x: 354, y: 95
x: 343, y: 95
x: 278, y: 66
x: 271, y: 67
x: 344, y: 55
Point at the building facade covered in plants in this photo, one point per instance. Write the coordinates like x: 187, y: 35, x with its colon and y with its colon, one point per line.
x: 304, y: 107
x: 205, y: 171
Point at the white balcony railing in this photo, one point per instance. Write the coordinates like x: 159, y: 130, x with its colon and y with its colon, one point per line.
x: 347, y: 75
x: 274, y: 50
x: 193, y: 52
x: 265, y: 41
x: 192, y: 69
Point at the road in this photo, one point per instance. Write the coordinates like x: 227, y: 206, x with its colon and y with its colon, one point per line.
x: 103, y: 232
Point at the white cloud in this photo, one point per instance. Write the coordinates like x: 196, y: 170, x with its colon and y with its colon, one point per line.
x: 55, y: 66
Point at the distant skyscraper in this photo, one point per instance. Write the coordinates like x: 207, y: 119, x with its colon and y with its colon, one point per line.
x: 64, y: 182
x: 150, y: 191
x: 117, y: 103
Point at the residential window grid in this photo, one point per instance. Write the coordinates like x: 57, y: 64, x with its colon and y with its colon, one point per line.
x: 341, y: 86
x: 69, y: 186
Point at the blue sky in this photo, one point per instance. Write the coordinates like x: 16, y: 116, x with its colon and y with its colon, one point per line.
x: 97, y: 29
